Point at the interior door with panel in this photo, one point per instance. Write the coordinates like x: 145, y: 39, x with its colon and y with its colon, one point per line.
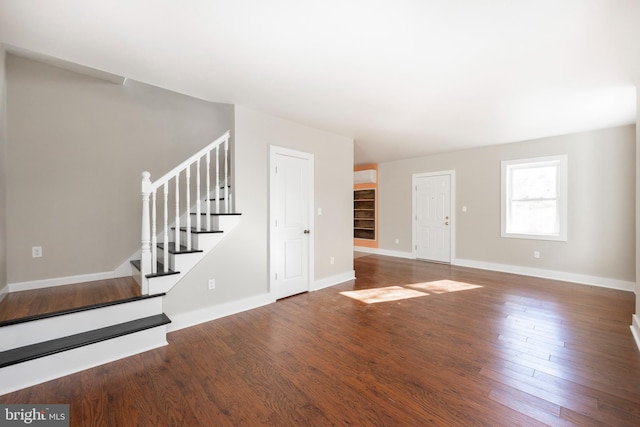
x: 291, y: 207
x: 433, y: 217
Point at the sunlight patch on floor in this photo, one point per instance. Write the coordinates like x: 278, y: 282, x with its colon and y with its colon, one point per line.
x: 389, y: 293
x: 395, y: 293
x: 443, y: 286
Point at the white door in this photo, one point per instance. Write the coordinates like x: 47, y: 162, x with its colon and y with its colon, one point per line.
x: 433, y: 217
x: 291, y: 207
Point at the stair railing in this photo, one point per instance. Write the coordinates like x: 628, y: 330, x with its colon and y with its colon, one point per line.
x: 215, y: 164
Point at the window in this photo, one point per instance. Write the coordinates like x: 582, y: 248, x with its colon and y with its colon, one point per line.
x: 534, y: 198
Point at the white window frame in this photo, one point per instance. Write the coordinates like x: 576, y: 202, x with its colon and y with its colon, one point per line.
x: 560, y: 161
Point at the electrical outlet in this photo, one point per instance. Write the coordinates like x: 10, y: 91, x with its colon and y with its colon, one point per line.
x: 397, y: 241
x: 333, y: 260
x: 536, y: 254
x: 212, y: 284
x: 36, y: 252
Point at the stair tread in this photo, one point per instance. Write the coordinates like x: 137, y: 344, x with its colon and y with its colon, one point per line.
x: 183, y: 249
x: 77, y: 309
x: 218, y: 213
x: 47, y: 348
x: 196, y: 231
x: 160, y: 271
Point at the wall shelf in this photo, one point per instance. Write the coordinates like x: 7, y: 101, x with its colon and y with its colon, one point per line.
x: 364, y: 214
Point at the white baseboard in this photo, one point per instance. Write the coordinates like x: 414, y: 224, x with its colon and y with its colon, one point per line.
x: 333, y: 280
x: 385, y: 252
x: 185, y: 320
x: 60, y: 281
x: 564, y: 276
x: 635, y: 329
x: 122, y: 270
x: 4, y: 292
x: 604, y: 282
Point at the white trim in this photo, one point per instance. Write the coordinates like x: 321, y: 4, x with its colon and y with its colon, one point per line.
x: 37, y: 371
x: 561, y: 162
x: 60, y: 281
x: 452, y: 210
x: 123, y: 270
x: 192, y: 318
x: 4, y: 292
x: 603, y: 282
x: 384, y: 252
x: 274, y: 151
x: 327, y: 282
x: 635, y: 329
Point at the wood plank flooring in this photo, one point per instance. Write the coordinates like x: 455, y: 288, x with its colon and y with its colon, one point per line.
x: 47, y: 300
x: 443, y: 345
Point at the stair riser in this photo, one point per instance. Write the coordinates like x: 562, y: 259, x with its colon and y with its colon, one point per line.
x: 225, y: 222
x: 218, y: 222
x: 162, y: 284
x: 23, y: 334
x: 202, y: 241
x: 184, y: 262
x: 26, y: 374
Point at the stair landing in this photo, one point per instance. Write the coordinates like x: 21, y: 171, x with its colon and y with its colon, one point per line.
x: 37, y: 302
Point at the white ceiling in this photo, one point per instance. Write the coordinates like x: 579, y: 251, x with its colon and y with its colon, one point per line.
x: 402, y: 77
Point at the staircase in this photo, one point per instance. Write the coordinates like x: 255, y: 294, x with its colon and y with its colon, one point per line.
x: 40, y: 348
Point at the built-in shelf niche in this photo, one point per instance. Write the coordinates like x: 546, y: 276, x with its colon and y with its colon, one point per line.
x: 364, y: 214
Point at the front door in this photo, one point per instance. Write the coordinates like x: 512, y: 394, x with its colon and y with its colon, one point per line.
x: 432, y: 218
x: 291, y: 207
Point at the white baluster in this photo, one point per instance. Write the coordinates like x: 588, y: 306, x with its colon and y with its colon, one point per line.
x: 154, y: 237
x: 208, y: 191
x: 177, y: 234
x: 198, y: 198
x: 188, y: 200
x: 226, y: 175
x: 165, y: 240
x: 217, y: 179
x: 149, y: 232
x: 145, y: 256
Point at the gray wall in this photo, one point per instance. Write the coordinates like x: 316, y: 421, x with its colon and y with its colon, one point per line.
x: 77, y: 147
x: 3, y: 173
x: 601, y: 239
x: 240, y: 264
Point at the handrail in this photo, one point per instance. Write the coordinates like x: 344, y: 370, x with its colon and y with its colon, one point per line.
x: 214, y: 167
x: 167, y: 176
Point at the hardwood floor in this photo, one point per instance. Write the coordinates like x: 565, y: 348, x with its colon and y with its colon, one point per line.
x: 464, y: 347
x: 47, y: 300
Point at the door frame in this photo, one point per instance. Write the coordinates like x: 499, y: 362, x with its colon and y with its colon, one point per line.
x: 275, y: 151
x: 452, y: 210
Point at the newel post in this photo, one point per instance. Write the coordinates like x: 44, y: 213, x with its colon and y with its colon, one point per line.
x: 145, y: 256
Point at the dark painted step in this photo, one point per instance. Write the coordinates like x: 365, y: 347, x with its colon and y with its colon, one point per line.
x: 218, y: 213
x: 77, y: 309
x: 196, y: 231
x: 182, y: 249
x: 159, y: 269
x: 47, y: 348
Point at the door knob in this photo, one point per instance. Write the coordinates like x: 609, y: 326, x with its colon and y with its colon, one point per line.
x: 446, y: 223
x: 307, y: 231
